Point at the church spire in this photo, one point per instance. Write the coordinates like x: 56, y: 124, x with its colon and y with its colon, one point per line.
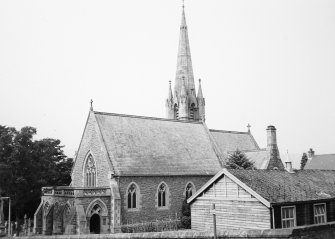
x: 184, y: 62
x: 185, y: 105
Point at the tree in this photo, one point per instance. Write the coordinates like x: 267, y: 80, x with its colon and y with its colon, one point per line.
x: 238, y: 160
x: 30, y: 165
x: 186, y: 215
x: 303, y: 161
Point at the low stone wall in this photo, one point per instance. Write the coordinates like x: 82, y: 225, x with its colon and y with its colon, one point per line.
x: 324, y: 231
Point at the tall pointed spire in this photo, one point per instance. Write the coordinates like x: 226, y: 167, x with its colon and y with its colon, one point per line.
x: 184, y: 62
x: 185, y: 104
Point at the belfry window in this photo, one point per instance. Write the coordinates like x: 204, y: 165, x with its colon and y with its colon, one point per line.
x: 176, y: 115
x: 132, y: 196
x: 162, y: 195
x: 192, y: 111
x: 90, y: 172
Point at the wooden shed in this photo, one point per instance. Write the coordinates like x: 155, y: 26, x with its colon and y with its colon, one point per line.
x: 264, y: 199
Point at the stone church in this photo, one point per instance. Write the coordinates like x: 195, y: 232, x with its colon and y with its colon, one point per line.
x: 139, y: 169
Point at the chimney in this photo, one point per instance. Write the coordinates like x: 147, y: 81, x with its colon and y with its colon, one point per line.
x: 288, y: 166
x: 272, y: 149
x: 310, y: 153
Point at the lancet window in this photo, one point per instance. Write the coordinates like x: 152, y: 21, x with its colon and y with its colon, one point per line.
x: 162, y: 193
x: 132, y: 196
x: 192, y: 111
x: 90, y: 172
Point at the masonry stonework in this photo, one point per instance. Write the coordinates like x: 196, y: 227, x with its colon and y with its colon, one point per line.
x: 91, y: 143
x: 148, y: 204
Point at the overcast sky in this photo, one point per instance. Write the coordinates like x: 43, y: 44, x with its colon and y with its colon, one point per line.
x: 261, y: 62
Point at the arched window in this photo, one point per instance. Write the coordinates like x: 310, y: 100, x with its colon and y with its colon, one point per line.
x: 176, y: 114
x: 132, y: 196
x: 189, y: 190
x: 192, y: 111
x: 90, y: 172
x: 162, y: 193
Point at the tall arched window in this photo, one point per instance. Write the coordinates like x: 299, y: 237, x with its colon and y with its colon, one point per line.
x: 176, y: 114
x: 132, y: 196
x: 192, y: 111
x: 189, y: 190
x: 162, y: 192
x: 90, y: 172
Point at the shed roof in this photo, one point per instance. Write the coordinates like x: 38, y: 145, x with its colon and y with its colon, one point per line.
x: 281, y: 187
x: 278, y: 186
x: 322, y: 161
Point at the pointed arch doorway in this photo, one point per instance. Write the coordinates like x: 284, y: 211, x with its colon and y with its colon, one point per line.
x: 95, y: 224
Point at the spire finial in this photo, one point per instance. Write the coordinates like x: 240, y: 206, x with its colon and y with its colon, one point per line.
x: 248, y: 126
x: 91, y: 102
x: 183, y: 4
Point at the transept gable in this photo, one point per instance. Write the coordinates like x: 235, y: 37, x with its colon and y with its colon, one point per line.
x: 91, y: 148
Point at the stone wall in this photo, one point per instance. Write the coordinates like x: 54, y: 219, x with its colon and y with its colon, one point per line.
x: 325, y: 231
x: 148, y: 210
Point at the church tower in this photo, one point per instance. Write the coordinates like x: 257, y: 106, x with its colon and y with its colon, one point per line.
x: 183, y: 103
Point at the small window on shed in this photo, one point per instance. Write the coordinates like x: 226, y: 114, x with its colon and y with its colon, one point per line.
x: 288, y: 217
x: 320, y: 213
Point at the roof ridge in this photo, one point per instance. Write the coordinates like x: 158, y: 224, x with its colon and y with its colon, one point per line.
x: 250, y: 150
x: 215, y: 147
x: 322, y: 155
x: 147, y: 117
x: 227, y: 131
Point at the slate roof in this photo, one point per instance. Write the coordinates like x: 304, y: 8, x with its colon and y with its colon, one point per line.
x: 322, y: 161
x: 278, y: 187
x: 231, y: 140
x: 153, y: 146
x: 259, y: 157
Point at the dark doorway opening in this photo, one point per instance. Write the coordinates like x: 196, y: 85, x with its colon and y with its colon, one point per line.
x: 95, y: 224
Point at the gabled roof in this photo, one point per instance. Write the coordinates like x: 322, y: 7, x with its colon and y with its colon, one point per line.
x: 281, y: 187
x: 140, y: 145
x: 152, y: 146
x: 218, y: 176
x: 260, y: 158
x: 322, y: 161
x: 231, y: 140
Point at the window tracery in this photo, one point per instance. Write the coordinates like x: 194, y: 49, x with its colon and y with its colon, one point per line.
x: 162, y: 193
x: 132, y: 197
x: 90, y: 171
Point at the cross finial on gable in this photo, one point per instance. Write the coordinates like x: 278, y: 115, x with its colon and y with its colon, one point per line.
x: 91, y: 105
x: 249, y: 126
